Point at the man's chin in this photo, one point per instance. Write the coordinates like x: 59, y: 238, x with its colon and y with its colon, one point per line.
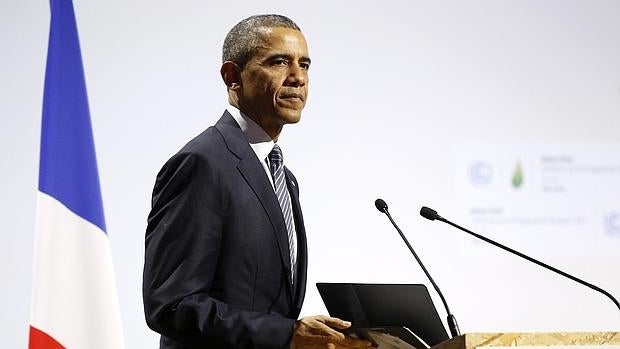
x: 290, y: 117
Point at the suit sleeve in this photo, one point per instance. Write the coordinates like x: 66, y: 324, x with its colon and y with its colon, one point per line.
x: 181, y: 252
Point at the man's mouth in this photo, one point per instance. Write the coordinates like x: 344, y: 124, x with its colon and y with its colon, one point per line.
x: 292, y: 96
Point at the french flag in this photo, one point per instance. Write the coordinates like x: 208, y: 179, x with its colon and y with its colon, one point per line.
x: 74, y: 300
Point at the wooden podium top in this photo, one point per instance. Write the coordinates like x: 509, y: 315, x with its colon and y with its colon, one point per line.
x: 556, y: 339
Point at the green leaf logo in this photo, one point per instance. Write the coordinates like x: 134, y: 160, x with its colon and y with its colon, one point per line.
x: 517, y: 176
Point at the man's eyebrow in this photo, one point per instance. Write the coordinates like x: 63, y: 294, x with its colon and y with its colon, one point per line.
x: 288, y: 57
x: 278, y: 56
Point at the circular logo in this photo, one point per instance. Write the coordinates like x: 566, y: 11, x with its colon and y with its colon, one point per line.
x: 480, y: 172
x: 612, y: 223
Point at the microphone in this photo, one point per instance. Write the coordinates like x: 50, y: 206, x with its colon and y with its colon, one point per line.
x: 432, y: 215
x: 454, y: 327
x: 429, y: 213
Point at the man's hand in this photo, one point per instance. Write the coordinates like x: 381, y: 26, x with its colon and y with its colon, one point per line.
x: 322, y: 332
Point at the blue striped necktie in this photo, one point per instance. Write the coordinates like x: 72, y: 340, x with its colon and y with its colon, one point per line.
x: 276, y: 165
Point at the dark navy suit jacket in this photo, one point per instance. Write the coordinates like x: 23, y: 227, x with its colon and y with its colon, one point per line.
x: 217, y: 267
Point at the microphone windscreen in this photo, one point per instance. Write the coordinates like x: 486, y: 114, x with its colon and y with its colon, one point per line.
x: 381, y: 205
x: 428, y: 213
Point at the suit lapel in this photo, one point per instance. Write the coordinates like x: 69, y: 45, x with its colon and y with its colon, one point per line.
x: 252, y: 171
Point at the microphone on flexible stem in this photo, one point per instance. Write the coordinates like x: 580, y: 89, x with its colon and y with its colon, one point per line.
x: 454, y: 327
x: 432, y: 215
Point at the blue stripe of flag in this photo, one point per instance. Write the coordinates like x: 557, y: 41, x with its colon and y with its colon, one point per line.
x: 68, y: 166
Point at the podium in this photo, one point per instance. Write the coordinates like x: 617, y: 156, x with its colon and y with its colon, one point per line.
x: 555, y: 340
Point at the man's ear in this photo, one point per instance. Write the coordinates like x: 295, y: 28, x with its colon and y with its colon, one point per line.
x: 231, y: 74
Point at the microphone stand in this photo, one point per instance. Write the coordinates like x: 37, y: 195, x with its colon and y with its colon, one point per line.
x: 432, y: 215
x: 452, y: 324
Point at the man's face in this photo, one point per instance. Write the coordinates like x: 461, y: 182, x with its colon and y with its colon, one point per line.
x: 274, y: 82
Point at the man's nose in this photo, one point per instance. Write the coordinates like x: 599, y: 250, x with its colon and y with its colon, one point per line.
x: 297, y: 76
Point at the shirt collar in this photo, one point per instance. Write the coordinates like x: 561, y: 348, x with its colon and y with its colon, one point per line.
x: 259, y: 140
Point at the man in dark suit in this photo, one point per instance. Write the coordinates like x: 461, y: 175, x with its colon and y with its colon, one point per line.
x: 225, y: 258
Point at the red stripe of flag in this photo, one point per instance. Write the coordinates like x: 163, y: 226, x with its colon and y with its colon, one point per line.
x: 41, y: 340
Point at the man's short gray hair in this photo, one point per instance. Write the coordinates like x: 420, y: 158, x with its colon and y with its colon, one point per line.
x: 245, y: 37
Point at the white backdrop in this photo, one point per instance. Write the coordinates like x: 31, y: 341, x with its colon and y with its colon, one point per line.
x: 408, y: 95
